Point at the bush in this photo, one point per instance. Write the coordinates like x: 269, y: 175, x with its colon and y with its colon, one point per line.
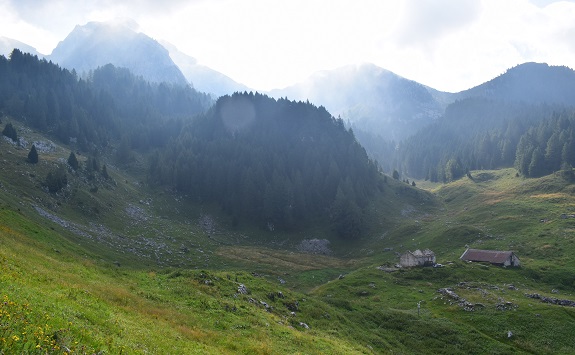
x: 56, y: 180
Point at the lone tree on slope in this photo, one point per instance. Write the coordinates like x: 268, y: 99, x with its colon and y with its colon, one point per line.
x: 33, y: 155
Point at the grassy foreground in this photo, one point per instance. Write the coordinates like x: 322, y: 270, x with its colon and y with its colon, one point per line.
x: 125, y: 270
x: 54, y: 301
x: 56, y: 298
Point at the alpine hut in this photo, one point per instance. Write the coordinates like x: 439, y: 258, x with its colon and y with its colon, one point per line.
x: 495, y: 257
x: 417, y: 258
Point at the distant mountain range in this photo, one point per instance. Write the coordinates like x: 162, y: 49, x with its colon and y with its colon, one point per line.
x: 96, y: 44
x: 378, y: 104
x: 371, y: 98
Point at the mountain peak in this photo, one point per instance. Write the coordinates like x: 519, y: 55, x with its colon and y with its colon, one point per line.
x: 530, y: 82
x: 368, y: 95
x: 116, y: 42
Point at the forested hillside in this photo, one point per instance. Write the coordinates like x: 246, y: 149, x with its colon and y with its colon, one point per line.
x: 480, y: 133
x: 278, y: 163
x: 266, y: 162
x: 110, y: 104
x: 485, y: 128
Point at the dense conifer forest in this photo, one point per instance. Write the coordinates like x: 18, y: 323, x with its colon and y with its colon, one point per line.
x: 108, y: 105
x: 481, y: 133
x: 274, y: 162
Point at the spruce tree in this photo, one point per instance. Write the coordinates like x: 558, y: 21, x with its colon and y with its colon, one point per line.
x: 72, y: 161
x: 10, y: 132
x: 33, y: 155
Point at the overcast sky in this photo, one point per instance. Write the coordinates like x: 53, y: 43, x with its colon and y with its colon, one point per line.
x: 450, y: 45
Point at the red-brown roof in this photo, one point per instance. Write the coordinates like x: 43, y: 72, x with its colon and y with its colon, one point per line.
x: 491, y: 256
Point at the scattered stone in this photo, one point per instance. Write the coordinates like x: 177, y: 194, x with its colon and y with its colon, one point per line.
x: 242, y: 289
x: 455, y: 298
x: 551, y: 300
x: 315, y: 246
x: 136, y: 213
x: 341, y: 276
x: 304, y: 325
x: 282, y: 281
x: 207, y: 223
x: 509, y: 334
x: 505, y: 306
x: 266, y: 306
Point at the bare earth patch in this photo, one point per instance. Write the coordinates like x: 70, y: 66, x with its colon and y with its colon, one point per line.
x: 282, y: 259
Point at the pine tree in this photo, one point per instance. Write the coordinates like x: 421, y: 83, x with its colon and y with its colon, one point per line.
x: 33, y: 155
x: 10, y: 132
x: 72, y: 161
x: 537, y: 165
x: 553, y: 152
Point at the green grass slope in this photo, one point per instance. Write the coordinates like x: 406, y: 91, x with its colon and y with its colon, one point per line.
x: 126, y: 269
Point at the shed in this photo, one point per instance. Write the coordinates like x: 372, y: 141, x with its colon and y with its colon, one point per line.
x: 495, y: 257
x: 417, y: 258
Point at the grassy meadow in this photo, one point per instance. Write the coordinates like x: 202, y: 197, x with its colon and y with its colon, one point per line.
x: 126, y: 269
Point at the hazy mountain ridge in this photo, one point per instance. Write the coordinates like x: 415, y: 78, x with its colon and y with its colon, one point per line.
x: 382, y: 107
x: 201, y: 77
x: 370, y: 98
x: 99, y: 43
x: 7, y: 45
x: 511, y: 120
x: 530, y: 83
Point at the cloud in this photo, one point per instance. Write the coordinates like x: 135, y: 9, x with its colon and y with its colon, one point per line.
x: 424, y: 21
x: 544, y: 3
x: 446, y: 44
x: 60, y: 16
